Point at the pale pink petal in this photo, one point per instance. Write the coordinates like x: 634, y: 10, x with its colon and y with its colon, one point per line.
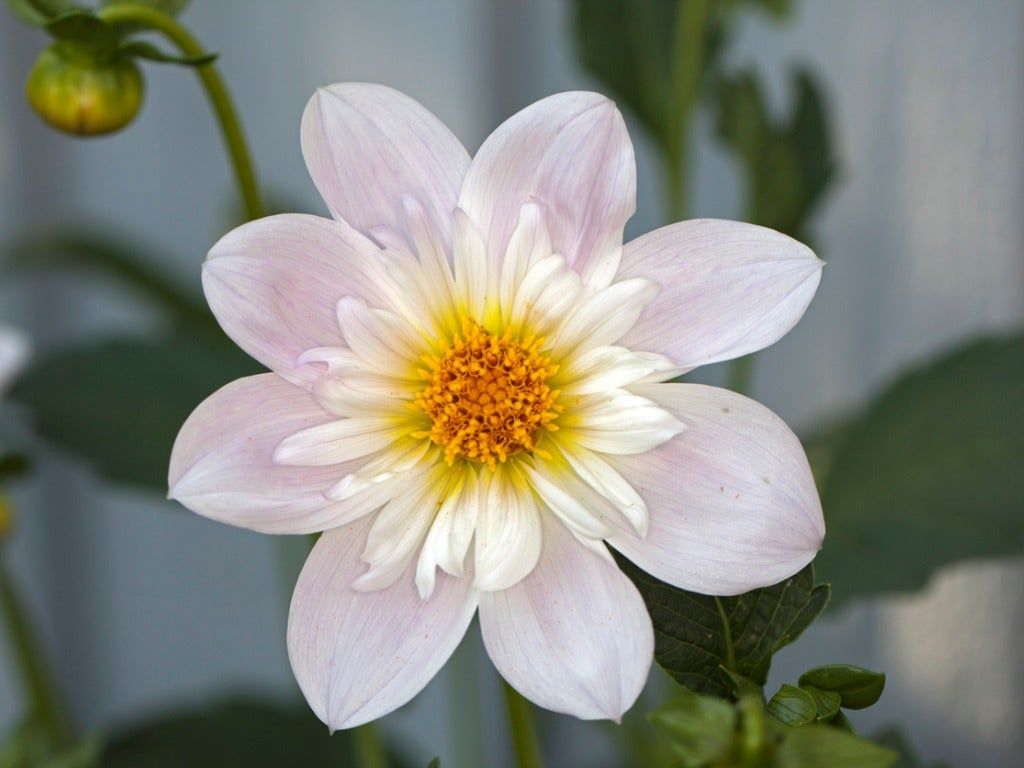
x: 731, y: 499
x: 222, y: 465
x: 574, y: 635
x: 274, y: 284
x: 727, y: 289
x: 367, y: 146
x: 570, y: 154
x: 359, y: 655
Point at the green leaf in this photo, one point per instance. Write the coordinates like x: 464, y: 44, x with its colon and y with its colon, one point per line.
x: 245, y: 732
x: 699, y: 729
x: 793, y: 706
x: 36, y: 13
x: 819, y: 746
x: 141, y: 49
x: 31, y: 746
x: 930, y: 473
x: 79, y: 26
x: 827, y: 703
x: 694, y: 633
x: 435, y: 763
x: 170, y: 7
x: 113, y: 258
x: 788, y: 164
x: 858, y: 688
x: 120, y: 404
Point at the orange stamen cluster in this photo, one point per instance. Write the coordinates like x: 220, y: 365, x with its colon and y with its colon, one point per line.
x: 488, y: 396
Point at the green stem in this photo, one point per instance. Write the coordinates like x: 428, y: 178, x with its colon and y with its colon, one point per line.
x: 216, y: 92
x: 687, y: 69
x: 35, y: 680
x: 369, y: 750
x: 524, y: 736
x: 730, y: 652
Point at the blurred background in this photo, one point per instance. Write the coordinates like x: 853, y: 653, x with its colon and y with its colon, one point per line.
x: 146, y: 607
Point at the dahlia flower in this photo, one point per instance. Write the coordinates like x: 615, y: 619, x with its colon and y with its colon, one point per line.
x: 468, y: 398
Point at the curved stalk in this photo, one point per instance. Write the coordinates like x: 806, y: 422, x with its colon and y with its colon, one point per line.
x: 216, y: 92
x: 524, y: 736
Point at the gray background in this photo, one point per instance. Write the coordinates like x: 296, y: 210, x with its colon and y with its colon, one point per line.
x: 145, y: 605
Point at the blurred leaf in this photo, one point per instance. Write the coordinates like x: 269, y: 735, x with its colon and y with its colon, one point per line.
x: 435, y: 763
x: 12, y: 465
x: 929, y: 474
x: 30, y: 746
x: 78, y: 26
x: 37, y: 12
x: 788, y: 164
x: 699, y: 729
x: 819, y: 746
x: 119, y: 404
x: 858, y: 688
x: 171, y: 7
x: 693, y: 632
x: 895, y: 740
x: 246, y: 732
x: 111, y: 257
x: 141, y: 49
x: 793, y: 706
x: 637, y: 48
x: 826, y: 702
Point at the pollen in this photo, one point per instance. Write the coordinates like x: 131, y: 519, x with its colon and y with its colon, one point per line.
x: 488, y: 396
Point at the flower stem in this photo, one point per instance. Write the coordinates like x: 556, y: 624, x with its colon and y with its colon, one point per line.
x: 35, y: 679
x: 216, y: 92
x: 687, y: 67
x: 730, y: 652
x: 369, y: 750
x: 524, y: 736
x: 741, y: 374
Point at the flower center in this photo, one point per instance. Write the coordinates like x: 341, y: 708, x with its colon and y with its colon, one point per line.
x: 488, y: 395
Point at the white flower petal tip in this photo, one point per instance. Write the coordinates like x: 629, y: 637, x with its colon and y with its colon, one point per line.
x: 14, y: 354
x: 574, y: 636
x: 359, y: 655
x: 728, y: 289
x: 732, y: 501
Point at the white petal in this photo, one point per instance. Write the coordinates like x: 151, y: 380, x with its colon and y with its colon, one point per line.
x: 337, y: 441
x: 570, y: 154
x: 547, y: 292
x: 732, y: 502
x: 450, y: 534
x: 727, y: 289
x: 617, y: 422
x: 402, y: 457
x: 529, y: 244
x: 602, y: 477
x: 377, y: 338
x: 569, y: 509
x: 222, y: 466
x: 603, y: 368
x: 603, y: 317
x: 368, y: 145
x: 273, y: 285
x: 508, y: 532
x: 573, y: 636
x: 471, y: 269
x: 359, y: 655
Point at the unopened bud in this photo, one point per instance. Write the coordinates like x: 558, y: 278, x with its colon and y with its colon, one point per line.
x: 84, y: 94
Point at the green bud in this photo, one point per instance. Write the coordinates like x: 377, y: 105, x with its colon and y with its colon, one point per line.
x: 79, y: 92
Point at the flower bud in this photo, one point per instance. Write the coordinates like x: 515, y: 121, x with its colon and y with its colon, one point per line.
x: 79, y: 92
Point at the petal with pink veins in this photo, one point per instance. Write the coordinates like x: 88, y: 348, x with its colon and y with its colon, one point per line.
x: 731, y: 500
x: 569, y: 153
x: 574, y: 635
x: 273, y: 285
x: 222, y: 463
x: 359, y: 655
x: 367, y: 146
x: 727, y: 289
